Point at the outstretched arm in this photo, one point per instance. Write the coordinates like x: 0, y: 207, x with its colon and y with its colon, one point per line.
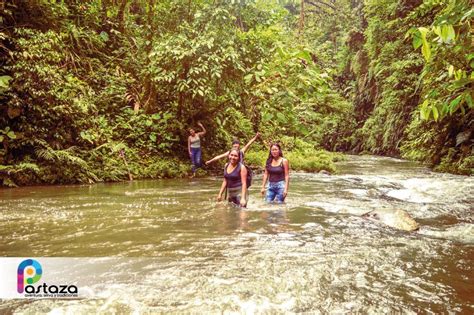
x: 189, y: 146
x: 217, y: 157
x: 247, y: 146
x: 223, y: 186
x: 203, y: 132
x: 264, y: 181
x: 286, y: 167
x: 243, y: 178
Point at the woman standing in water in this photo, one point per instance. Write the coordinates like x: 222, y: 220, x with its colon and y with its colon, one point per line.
x: 194, y: 147
x: 235, y: 180
x: 277, y: 171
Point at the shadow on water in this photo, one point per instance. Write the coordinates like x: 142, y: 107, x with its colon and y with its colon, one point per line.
x: 315, y: 253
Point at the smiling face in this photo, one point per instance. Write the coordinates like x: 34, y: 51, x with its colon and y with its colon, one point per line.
x: 192, y: 132
x: 275, y: 151
x: 236, y: 146
x: 234, y: 157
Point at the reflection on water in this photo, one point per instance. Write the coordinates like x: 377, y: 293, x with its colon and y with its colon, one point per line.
x: 315, y: 253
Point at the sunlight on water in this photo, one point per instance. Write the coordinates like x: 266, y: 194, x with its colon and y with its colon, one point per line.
x: 316, y: 253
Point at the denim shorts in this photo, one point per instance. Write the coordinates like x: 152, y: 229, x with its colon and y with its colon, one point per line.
x: 275, y: 191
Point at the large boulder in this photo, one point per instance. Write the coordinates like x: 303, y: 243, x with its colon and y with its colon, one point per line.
x: 398, y: 219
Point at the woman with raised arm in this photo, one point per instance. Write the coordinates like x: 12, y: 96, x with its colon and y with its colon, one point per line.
x: 235, y: 145
x: 194, y: 147
x: 235, y: 180
x: 277, y: 171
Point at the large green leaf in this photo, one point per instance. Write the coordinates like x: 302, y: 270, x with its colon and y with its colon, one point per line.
x: 281, y: 117
x: 4, y: 83
x: 425, y: 49
x: 417, y: 41
x: 305, y: 55
x: 425, y: 110
x: 469, y: 101
x: 454, y: 104
x: 446, y: 33
x: 11, y: 135
x: 434, y: 109
x: 104, y: 36
x: 267, y: 116
x: 451, y: 70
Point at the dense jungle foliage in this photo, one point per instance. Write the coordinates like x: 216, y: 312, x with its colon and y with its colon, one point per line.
x: 94, y: 90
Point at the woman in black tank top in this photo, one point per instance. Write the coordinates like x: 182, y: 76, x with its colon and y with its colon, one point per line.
x: 235, y: 180
x: 277, y: 171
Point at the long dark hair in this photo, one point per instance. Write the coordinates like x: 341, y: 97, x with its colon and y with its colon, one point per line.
x: 238, y: 154
x: 270, y: 157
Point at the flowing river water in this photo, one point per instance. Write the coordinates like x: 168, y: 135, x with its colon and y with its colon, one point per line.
x: 182, y: 251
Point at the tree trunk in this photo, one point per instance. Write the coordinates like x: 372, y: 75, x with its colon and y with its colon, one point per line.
x: 149, y: 94
x: 301, y: 23
x: 121, y: 16
x: 103, y: 15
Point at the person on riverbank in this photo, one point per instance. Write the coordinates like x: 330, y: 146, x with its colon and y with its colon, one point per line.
x: 194, y: 148
x: 235, y: 180
x: 277, y: 171
x: 235, y: 145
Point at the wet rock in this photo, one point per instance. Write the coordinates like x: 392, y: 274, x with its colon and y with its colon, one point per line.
x: 372, y: 192
x: 461, y: 137
x: 324, y: 172
x: 398, y: 219
x: 354, y: 179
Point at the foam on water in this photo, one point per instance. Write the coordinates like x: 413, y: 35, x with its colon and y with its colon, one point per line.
x: 463, y: 233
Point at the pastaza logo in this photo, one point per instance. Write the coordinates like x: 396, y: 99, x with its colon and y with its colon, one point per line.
x: 30, y: 272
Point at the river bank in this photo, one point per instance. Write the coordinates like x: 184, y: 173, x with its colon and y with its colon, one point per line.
x: 132, y: 165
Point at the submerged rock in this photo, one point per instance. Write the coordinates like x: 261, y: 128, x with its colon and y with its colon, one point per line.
x: 398, y: 219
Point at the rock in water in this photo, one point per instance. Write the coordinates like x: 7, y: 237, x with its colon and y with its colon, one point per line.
x: 398, y: 219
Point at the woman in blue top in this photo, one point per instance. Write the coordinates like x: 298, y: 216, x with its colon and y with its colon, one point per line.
x: 194, y: 147
x: 235, y: 180
x: 277, y: 171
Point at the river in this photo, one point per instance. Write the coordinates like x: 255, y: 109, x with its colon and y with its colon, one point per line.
x: 181, y: 251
